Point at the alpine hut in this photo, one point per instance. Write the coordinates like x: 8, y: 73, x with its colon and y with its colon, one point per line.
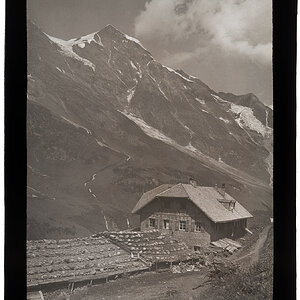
x: 196, y: 214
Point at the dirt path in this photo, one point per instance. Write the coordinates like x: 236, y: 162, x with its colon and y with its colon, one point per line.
x: 253, y: 256
x: 88, y: 187
x: 259, y: 244
x: 103, y: 169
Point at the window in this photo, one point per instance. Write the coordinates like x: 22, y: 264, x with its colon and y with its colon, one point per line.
x: 231, y: 205
x: 182, y: 204
x: 166, y: 224
x: 151, y: 222
x: 198, y: 226
x: 182, y: 225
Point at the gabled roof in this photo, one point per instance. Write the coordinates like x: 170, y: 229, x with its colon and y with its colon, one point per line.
x: 149, y: 196
x: 205, y: 198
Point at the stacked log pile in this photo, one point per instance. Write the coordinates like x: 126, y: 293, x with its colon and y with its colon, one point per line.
x: 152, y: 245
x: 62, y: 260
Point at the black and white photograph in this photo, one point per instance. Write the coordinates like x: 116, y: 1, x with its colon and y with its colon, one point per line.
x: 149, y: 131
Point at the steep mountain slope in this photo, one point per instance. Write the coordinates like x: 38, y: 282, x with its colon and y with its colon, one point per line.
x: 263, y: 113
x: 107, y: 122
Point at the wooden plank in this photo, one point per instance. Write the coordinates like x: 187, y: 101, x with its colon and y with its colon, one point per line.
x: 233, y: 243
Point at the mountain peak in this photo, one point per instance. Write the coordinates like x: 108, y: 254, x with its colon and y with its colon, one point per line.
x: 111, y: 29
x: 110, y: 26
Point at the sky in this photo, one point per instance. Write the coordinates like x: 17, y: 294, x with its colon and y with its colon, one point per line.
x: 225, y: 43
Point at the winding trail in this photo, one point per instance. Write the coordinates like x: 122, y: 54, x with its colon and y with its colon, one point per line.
x: 103, y: 169
x: 255, y: 253
x: 93, y: 177
x: 259, y: 245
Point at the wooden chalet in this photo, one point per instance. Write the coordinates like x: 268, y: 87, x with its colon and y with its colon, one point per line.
x: 197, y: 215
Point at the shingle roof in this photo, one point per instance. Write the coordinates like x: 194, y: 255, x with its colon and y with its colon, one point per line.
x: 149, y: 196
x: 50, y: 261
x: 151, y: 245
x: 206, y: 198
x: 175, y: 191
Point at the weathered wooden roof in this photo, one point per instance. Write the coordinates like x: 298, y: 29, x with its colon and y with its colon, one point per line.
x: 152, y: 246
x: 147, y: 197
x: 52, y: 261
x: 205, y: 198
x: 175, y: 191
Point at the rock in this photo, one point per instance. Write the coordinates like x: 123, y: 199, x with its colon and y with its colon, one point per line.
x: 49, y: 269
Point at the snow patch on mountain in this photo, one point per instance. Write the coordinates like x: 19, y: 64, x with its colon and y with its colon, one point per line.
x: 60, y: 70
x: 67, y: 50
x: 100, y: 143
x: 77, y: 125
x: 149, y: 130
x: 173, y: 71
x: 247, y: 118
x: 204, y: 111
x: 190, y: 147
x: 130, y: 94
x: 220, y: 99
x: 133, y: 65
x: 267, y: 120
x: 139, y: 71
x: 156, y: 134
x: 193, y: 77
x: 162, y: 92
x: 224, y: 120
x: 88, y: 39
x: 200, y: 101
x: 130, y: 38
x: 244, y: 117
x: 158, y: 86
x: 269, y: 161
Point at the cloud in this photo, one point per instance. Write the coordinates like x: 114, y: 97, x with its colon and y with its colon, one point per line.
x: 243, y: 27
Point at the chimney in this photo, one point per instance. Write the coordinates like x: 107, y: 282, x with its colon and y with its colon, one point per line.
x: 193, y: 182
x: 221, y: 190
